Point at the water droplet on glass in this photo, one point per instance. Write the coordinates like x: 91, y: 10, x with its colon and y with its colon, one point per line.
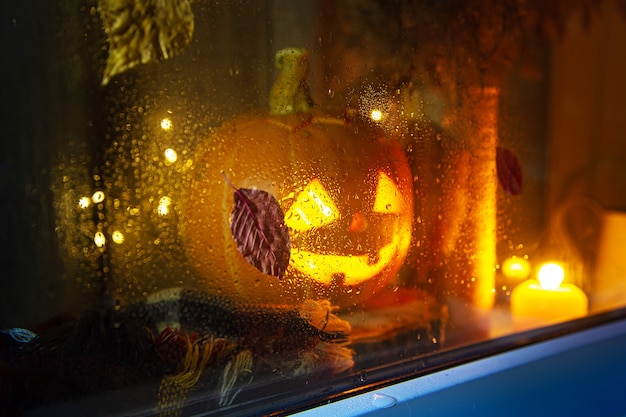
x: 383, y: 400
x: 363, y: 376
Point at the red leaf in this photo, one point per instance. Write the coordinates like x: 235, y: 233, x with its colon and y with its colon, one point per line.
x: 258, y: 227
x: 509, y: 171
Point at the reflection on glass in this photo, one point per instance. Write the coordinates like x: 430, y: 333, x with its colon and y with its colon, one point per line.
x: 222, y: 203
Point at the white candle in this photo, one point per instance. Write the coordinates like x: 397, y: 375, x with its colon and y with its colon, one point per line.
x: 546, y: 300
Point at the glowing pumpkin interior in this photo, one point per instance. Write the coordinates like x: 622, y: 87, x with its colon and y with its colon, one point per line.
x: 315, y: 208
x: 346, y: 194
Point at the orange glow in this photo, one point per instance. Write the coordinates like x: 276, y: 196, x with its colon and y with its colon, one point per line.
x: 516, y: 268
x: 313, y: 208
x: 550, y: 276
x: 355, y: 269
x: 388, y: 198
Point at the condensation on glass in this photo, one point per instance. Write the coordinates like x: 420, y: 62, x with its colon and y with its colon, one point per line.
x: 252, y: 207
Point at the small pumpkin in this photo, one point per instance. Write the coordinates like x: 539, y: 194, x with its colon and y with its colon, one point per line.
x: 343, y: 186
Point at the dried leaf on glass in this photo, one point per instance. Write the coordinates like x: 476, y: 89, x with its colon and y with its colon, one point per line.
x: 258, y: 227
x: 509, y: 171
x: 143, y: 31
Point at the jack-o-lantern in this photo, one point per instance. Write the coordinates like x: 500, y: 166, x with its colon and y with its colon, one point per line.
x: 343, y: 187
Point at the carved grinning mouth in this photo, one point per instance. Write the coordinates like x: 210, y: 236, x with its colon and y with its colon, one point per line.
x: 314, y: 208
x: 356, y: 268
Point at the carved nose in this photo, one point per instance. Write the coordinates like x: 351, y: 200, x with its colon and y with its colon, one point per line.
x: 357, y: 223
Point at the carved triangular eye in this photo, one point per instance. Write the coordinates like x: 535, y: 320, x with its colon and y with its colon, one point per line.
x: 388, y: 198
x: 313, y: 207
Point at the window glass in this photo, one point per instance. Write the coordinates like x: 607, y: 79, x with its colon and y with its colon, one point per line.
x: 255, y: 207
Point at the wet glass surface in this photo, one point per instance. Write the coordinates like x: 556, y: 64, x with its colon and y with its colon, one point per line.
x: 251, y: 207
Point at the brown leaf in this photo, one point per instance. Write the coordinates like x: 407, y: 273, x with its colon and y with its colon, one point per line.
x: 143, y: 31
x: 258, y: 227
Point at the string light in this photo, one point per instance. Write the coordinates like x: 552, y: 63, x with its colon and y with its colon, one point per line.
x: 97, y: 197
x: 164, y: 205
x: 166, y: 123
x: 84, y: 202
x: 99, y: 239
x: 117, y: 237
x: 170, y: 156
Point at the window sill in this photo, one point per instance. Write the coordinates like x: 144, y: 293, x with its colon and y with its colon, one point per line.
x: 582, y: 373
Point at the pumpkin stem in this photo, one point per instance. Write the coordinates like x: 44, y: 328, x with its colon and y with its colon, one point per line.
x: 290, y: 91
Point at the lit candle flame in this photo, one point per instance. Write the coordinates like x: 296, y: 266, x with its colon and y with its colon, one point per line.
x: 550, y: 276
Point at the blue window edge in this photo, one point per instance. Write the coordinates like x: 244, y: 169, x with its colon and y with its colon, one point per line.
x: 578, y: 373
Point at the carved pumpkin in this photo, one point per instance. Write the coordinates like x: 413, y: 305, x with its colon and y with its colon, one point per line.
x: 346, y: 193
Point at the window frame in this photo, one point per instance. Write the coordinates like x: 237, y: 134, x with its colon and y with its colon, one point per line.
x: 585, y: 356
